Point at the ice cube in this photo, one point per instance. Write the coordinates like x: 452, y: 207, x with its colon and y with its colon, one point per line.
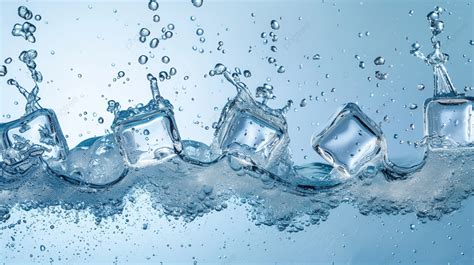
x: 147, y: 134
x: 450, y: 122
x: 253, y: 131
x: 351, y: 142
x: 39, y: 129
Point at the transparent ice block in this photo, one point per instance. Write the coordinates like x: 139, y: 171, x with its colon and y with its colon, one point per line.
x: 351, y: 141
x: 252, y: 130
x: 147, y: 134
x: 39, y: 129
x: 449, y: 122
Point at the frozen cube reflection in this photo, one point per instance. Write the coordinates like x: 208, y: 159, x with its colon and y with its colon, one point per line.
x: 148, y: 134
x: 351, y: 141
x: 449, y: 122
x: 39, y: 129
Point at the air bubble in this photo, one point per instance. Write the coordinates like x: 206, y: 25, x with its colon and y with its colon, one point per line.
x: 165, y: 59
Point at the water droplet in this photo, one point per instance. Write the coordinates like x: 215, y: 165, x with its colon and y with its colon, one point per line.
x: 420, y: 87
x: 199, y: 31
x: 3, y: 70
x: 281, y: 69
x: 197, y: 3
x: 121, y: 74
x: 8, y: 60
x: 38, y: 17
x: 172, y: 71
x: 271, y: 60
x: 380, y: 75
x: 142, y: 59
x: 153, y: 5
x: 42, y: 248
x: 316, y: 56
x: 192, y: 18
x: 100, y: 120
x: 471, y: 42
x: 219, y: 69
x: 79, y: 75
x: 146, y: 132
x: 144, y: 32
x: 273, y: 49
x: 156, y: 18
x: 303, y: 103
x: 413, y: 106
x: 274, y: 24
x: 165, y: 59
x: 168, y: 34
x: 437, y: 27
x: 379, y: 60
x: 154, y: 43
x: 361, y: 65
x: 247, y: 73
x: 171, y: 26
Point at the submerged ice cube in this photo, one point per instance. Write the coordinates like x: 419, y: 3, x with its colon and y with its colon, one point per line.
x: 351, y: 141
x: 37, y: 130
x: 252, y: 130
x: 147, y: 134
x: 449, y: 122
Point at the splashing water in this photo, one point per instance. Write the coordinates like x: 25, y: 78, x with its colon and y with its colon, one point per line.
x: 249, y: 162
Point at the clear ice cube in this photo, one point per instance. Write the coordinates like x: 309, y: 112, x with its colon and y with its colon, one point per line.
x: 148, y: 134
x: 252, y: 130
x: 351, y: 141
x: 39, y: 129
x: 449, y: 122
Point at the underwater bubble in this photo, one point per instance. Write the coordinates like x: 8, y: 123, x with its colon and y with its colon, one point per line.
x: 121, y: 74
x: 281, y: 69
x: 379, y: 60
x: 154, y: 43
x: 170, y: 26
x: 274, y: 24
x: 165, y: 59
x: 42, y: 248
x: 144, y: 32
x: 316, y: 56
x: 163, y: 75
x: 199, y: 31
x: 197, y: 3
x: 3, y: 70
x: 142, y: 59
x: 153, y: 5
x: 38, y: 17
x: 156, y: 18
x: 8, y: 60
x: 100, y: 120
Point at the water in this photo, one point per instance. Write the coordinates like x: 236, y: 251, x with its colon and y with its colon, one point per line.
x: 132, y: 175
